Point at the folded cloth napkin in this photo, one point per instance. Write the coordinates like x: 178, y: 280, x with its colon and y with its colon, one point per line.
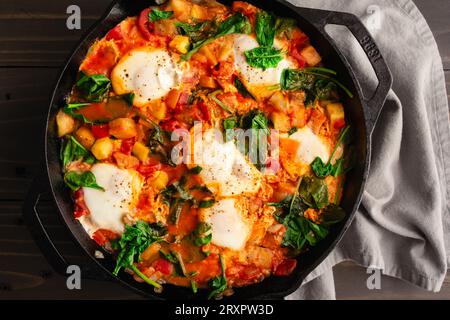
x: 403, y: 224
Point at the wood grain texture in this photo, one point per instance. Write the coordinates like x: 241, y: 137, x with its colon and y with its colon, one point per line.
x: 34, y: 42
x: 437, y: 13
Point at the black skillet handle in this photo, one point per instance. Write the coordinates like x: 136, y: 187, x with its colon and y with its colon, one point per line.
x: 373, y: 104
x: 32, y: 218
x: 38, y: 231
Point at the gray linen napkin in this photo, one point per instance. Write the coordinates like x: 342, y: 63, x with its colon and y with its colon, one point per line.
x: 403, y: 224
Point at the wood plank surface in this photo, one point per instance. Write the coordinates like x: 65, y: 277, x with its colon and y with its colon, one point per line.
x: 437, y: 13
x: 33, y: 45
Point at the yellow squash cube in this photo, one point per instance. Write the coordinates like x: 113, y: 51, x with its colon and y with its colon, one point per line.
x: 199, y: 12
x: 279, y: 101
x: 159, y: 180
x: 65, y: 123
x: 311, y: 56
x: 85, y: 137
x: 180, y: 44
x: 281, y: 121
x: 141, y: 151
x: 335, y: 112
x: 123, y: 128
x: 102, y: 148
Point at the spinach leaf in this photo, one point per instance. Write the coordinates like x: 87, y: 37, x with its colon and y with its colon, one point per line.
x: 219, y: 283
x: 194, y: 286
x: 133, y: 242
x: 169, y: 257
x: 242, y: 89
x: 230, y: 123
x: 70, y: 109
x: 94, y: 88
x: 75, y: 180
x: 332, y: 214
x: 237, y: 23
x: 74, y: 108
x: 176, y: 207
x: 325, y: 90
x: 314, y: 192
x: 202, y: 234
x: 175, y: 258
x: 317, y: 82
x: 72, y: 150
x: 156, y: 142
x: 300, y: 230
x: 322, y: 170
x: 196, y: 170
x: 263, y: 57
x: 292, y: 131
x: 265, y: 29
x: 292, y: 79
x: 283, y: 26
x: 255, y: 120
x: 196, y: 32
x: 213, y: 96
x: 201, y: 188
x: 203, y: 204
x: 175, y: 196
x: 128, y: 97
x: 156, y: 15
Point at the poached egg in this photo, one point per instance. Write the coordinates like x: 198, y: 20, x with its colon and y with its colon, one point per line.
x: 225, y: 170
x: 310, y: 146
x: 108, y: 208
x: 229, y: 226
x: 149, y: 73
x: 257, y: 80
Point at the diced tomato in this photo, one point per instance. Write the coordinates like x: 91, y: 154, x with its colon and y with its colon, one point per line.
x: 148, y: 169
x: 100, y: 131
x: 102, y: 236
x: 172, y: 125
x: 115, y: 33
x: 249, y: 274
x: 205, y: 111
x: 80, y: 206
x: 125, y: 161
x: 143, y: 203
x: 296, y: 47
x: 297, y: 56
x: 246, y: 9
x: 224, y: 70
x: 286, y: 267
x: 339, y: 124
x: 163, y: 266
x: 201, y: 112
x: 144, y: 25
x: 239, y: 97
x: 127, y: 145
x: 182, y: 102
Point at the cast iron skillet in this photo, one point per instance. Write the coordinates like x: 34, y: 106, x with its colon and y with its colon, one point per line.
x: 361, y: 113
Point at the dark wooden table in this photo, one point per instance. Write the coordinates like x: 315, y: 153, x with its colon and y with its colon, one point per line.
x: 34, y: 43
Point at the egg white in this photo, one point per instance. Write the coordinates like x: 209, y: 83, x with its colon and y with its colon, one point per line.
x: 256, y: 79
x: 310, y: 146
x: 229, y: 227
x: 148, y: 73
x: 225, y: 170
x: 108, y: 208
